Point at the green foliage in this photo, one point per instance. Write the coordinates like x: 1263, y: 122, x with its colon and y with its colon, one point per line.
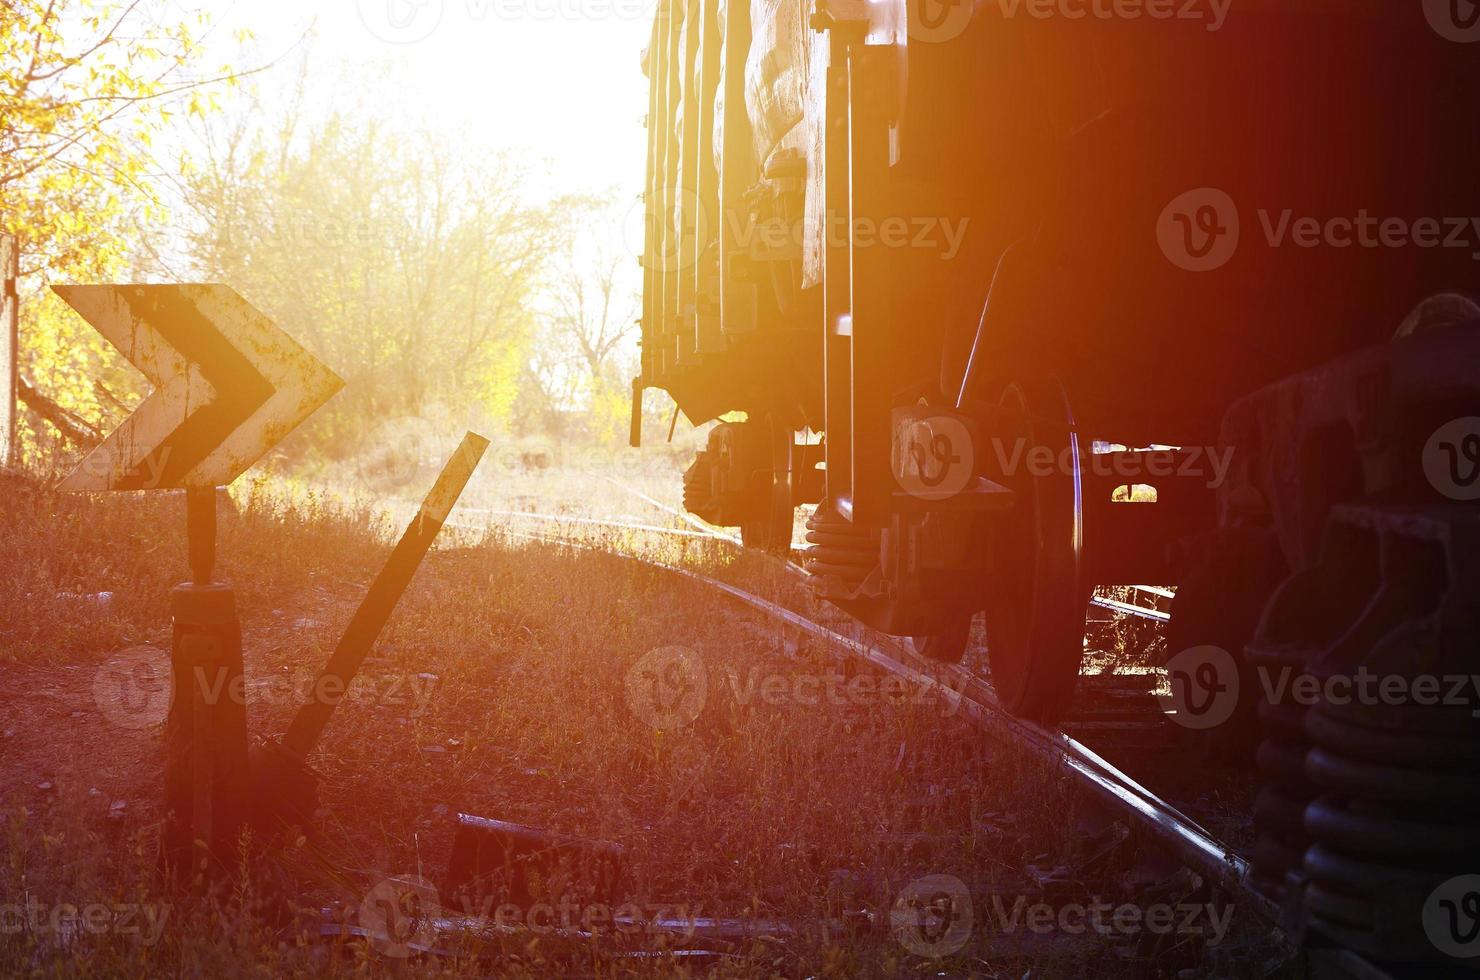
x: 587, y: 309
x: 83, y: 84
x: 421, y: 270
x: 404, y: 264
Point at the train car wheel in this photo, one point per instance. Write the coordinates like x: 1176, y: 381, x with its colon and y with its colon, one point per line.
x: 1036, y: 596
x: 772, y: 522
x: 1219, y: 602
x: 944, y: 638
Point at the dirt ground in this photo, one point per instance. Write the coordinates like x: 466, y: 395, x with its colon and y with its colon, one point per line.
x: 796, y: 798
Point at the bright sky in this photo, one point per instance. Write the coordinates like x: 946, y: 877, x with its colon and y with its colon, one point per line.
x: 559, y: 78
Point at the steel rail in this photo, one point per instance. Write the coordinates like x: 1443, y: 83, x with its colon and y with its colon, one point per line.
x: 593, y: 522
x: 970, y: 694
x: 1127, y: 609
x: 1194, y: 844
x: 670, y: 510
x: 1114, y: 605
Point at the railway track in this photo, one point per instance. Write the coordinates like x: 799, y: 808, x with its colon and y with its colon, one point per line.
x: 701, y: 531
x: 1114, y: 711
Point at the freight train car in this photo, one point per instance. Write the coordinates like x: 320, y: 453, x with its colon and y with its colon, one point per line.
x: 990, y: 252
x: 1033, y: 297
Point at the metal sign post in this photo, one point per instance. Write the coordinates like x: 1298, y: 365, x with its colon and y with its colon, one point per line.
x: 10, y: 351
x: 286, y: 786
x: 206, y: 774
x: 228, y: 386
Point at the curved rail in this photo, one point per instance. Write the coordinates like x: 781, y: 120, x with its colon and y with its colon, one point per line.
x: 594, y: 522
x: 1180, y: 833
x: 704, y: 530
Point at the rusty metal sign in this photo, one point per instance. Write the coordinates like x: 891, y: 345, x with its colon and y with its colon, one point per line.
x: 228, y: 385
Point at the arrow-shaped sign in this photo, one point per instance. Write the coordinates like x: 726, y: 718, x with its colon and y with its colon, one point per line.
x: 228, y: 385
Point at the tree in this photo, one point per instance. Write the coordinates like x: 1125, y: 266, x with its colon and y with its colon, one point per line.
x: 82, y: 85
x: 588, y: 311
x: 405, y: 262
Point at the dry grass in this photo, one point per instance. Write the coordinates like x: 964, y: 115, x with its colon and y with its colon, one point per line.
x: 501, y: 687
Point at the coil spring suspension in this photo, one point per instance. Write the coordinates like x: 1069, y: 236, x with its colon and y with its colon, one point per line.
x: 1307, y: 617
x: 1397, y: 815
x: 840, y: 550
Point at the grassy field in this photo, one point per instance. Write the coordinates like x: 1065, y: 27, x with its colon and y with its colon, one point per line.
x: 779, y: 788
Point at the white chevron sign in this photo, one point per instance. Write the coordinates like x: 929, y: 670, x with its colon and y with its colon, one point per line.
x: 228, y: 385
